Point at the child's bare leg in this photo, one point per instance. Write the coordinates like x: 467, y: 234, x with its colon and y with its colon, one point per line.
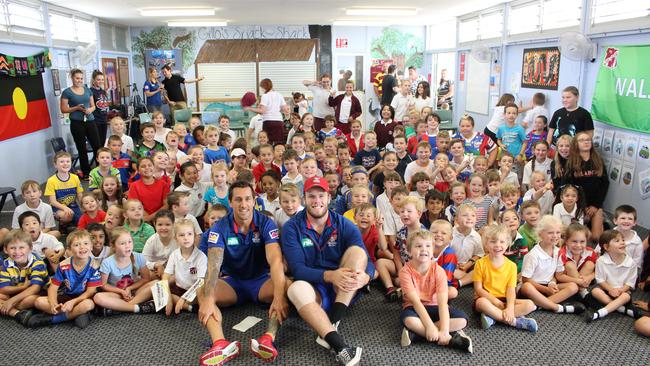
x: 414, y: 324
x: 466, y: 279
x: 571, y: 269
x: 386, y: 269
x: 452, y: 293
x: 43, y: 304
x: 642, y: 326
x: 524, y: 307
x: 142, y: 294
x: 113, y: 301
x: 81, y: 308
x: 484, y: 306
x: 611, y: 304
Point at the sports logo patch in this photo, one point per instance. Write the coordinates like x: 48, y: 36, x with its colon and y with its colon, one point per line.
x: 610, y: 60
x: 306, y: 242
x: 274, y: 234
x: 213, y: 237
x: 232, y: 241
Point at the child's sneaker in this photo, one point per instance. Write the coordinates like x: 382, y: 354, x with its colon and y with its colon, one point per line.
x: 486, y: 321
x: 391, y: 295
x: 590, y: 316
x: 526, y: 324
x: 577, y: 307
x: 460, y: 340
x: 148, y: 307
x: 350, y: 356
x: 221, y: 352
x: 39, y: 320
x: 82, y: 321
x: 323, y: 343
x: 23, y: 316
x: 407, y: 337
x: 263, y: 348
x: 632, y: 311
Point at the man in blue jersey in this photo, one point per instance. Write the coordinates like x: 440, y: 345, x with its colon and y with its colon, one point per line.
x: 244, y: 247
x: 329, y: 264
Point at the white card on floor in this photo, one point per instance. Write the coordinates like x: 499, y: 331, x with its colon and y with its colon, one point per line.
x: 247, y: 323
x: 160, y: 294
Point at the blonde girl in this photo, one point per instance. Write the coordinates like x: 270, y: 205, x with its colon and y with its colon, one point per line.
x: 477, y: 184
x: 114, y: 217
x: 218, y: 194
x: 158, y: 120
x: 126, y: 280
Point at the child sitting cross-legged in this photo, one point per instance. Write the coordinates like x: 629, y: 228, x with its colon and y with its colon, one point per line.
x: 444, y: 254
x: 466, y: 243
x: 185, y: 266
x: 370, y: 223
x: 426, y: 313
x: 577, y: 261
x: 538, y: 271
x: 495, y: 281
x: 71, y: 291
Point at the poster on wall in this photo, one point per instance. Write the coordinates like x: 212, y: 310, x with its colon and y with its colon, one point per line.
x: 627, y: 175
x: 378, y: 69
x: 631, y: 145
x: 622, y: 88
x: 618, y: 146
x: 644, y: 149
x: 615, y: 170
x: 644, y: 184
x: 597, y: 140
x: 109, y: 66
x: 608, y: 136
x: 541, y: 68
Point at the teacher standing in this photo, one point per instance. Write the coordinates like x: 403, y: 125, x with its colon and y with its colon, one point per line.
x: 347, y: 107
x: 175, y: 96
x: 77, y: 101
x: 271, y: 108
x: 321, y: 91
x: 102, y: 103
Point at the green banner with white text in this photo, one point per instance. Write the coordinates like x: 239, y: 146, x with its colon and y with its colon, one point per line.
x: 622, y: 93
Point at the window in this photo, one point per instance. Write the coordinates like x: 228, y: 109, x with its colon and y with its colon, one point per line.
x: 485, y: 26
x: 442, y: 35
x: 560, y: 13
x: 524, y: 18
x: 121, y: 39
x: 612, y: 10
x: 85, y: 30
x: 22, y: 21
x: 4, y: 17
x: 71, y: 28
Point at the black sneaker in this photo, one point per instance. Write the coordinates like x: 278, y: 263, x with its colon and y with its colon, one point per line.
x: 82, y: 320
x: 391, y: 295
x: 39, y: 320
x: 460, y: 340
x: 23, y: 316
x: 350, y: 356
x: 633, y: 311
x: 578, y: 308
x: 407, y: 337
x: 101, y: 311
x: 148, y: 307
x: 589, y: 316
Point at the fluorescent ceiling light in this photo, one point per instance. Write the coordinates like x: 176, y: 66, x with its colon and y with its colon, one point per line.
x: 382, y: 11
x: 197, y: 23
x: 366, y: 23
x: 164, y: 12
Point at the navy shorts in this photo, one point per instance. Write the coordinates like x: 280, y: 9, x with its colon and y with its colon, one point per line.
x: 433, y: 313
x: 328, y: 295
x: 247, y: 290
x: 76, y: 216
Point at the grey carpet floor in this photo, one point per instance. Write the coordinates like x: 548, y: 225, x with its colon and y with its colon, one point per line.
x: 371, y: 323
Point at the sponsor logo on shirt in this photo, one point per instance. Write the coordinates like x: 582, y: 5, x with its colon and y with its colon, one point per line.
x: 213, y: 237
x: 274, y: 234
x: 306, y: 242
x: 256, y: 237
x: 232, y: 241
x: 331, y: 242
x: 193, y: 270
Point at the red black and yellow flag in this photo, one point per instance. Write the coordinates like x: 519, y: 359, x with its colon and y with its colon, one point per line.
x: 23, y: 108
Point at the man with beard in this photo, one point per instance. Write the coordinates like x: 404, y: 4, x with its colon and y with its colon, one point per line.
x: 329, y: 264
x: 244, y: 246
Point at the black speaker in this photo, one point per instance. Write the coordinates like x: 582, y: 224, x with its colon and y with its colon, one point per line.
x: 324, y: 34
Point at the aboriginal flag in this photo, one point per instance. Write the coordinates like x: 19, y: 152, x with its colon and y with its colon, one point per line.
x: 23, y: 108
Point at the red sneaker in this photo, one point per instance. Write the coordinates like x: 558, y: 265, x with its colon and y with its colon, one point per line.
x: 221, y: 352
x: 263, y: 348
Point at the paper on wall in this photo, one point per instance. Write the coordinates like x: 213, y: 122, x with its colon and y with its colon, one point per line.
x: 644, y: 184
x: 630, y: 147
x: 618, y: 146
x: 246, y: 324
x: 615, y: 170
x: 160, y: 293
x: 627, y: 174
x: 644, y: 149
x: 597, y: 140
x: 608, y: 136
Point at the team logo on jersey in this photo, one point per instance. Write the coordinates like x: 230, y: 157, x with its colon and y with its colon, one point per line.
x: 213, y: 237
x: 256, y: 237
x: 193, y: 270
x: 332, y: 240
x: 66, y: 283
x: 232, y: 241
x: 274, y: 234
x: 610, y: 60
x: 306, y: 242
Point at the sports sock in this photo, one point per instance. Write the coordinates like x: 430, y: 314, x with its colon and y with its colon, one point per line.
x: 560, y: 309
x: 460, y: 284
x: 583, y: 292
x: 337, y: 311
x: 59, y: 318
x: 626, y: 310
x: 136, y: 308
x: 335, y: 341
x: 601, y: 313
x: 189, y: 308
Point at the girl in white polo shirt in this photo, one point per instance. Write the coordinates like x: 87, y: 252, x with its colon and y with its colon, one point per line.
x: 185, y: 266
x: 538, y: 271
x: 571, y: 206
x: 615, y: 275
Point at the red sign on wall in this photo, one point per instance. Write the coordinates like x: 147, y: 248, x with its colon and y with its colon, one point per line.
x: 341, y: 43
x: 462, y: 67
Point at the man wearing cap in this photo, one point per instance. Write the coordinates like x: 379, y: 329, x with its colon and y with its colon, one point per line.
x: 244, y: 247
x: 321, y: 90
x: 329, y: 264
x: 239, y: 163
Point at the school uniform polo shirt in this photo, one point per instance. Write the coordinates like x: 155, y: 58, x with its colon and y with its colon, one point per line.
x: 187, y: 271
x: 539, y: 266
x: 310, y: 254
x: 466, y: 246
x: 244, y: 254
x: 617, y: 275
x: 45, y: 241
x: 75, y: 283
x: 12, y: 275
x: 588, y: 255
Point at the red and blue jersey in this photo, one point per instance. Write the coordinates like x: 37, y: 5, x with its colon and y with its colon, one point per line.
x: 73, y: 283
x: 123, y: 164
x: 480, y: 144
x: 309, y: 254
x: 244, y: 254
x: 448, y: 261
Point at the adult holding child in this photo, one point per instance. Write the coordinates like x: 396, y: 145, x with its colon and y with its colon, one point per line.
x: 329, y: 263
x: 321, y: 90
x: 78, y: 102
x: 271, y: 107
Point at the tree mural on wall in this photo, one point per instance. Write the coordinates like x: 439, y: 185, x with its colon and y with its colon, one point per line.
x: 162, y: 38
x: 405, y: 49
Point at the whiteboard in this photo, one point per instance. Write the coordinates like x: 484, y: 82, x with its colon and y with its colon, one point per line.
x: 478, y: 86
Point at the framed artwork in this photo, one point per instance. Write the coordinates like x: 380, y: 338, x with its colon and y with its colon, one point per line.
x: 541, y: 68
x: 109, y: 66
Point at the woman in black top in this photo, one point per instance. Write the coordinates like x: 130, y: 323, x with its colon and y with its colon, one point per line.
x: 389, y: 86
x: 445, y: 89
x: 570, y: 119
x: 101, y: 104
x: 585, y: 168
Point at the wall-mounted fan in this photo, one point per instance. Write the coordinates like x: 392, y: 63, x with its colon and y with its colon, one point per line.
x: 83, y: 56
x: 482, y: 53
x: 577, y: 47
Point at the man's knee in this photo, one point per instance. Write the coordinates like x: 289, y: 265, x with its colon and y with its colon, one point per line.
x: 301, y: 293
x: 354, y: 258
